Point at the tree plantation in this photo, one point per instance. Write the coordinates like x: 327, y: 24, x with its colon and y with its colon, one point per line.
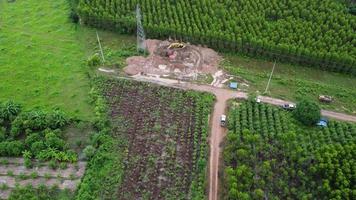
x: 268, y: 155
x: 310, y: 32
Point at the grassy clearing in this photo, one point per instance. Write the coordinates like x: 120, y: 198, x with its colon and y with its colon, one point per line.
x: 294, y: 82
x: 43, y: 56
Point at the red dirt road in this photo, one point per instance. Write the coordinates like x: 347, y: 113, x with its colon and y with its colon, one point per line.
x: 217, y: 132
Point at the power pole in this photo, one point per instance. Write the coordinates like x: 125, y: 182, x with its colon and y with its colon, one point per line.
x: 101, y: 50
x: 270, y: 77
x: 141, y: 37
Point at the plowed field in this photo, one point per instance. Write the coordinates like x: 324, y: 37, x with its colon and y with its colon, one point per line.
x: 166, y: 131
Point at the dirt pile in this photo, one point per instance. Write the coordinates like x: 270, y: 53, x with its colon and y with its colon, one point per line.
x: 183, y: 61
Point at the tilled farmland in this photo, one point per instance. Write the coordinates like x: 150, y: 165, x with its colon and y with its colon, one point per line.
x: 166, y: 131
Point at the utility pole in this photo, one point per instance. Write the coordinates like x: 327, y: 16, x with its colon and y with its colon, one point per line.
x: 141, y: 37
x: 270, y: 77
x: 101, y: 50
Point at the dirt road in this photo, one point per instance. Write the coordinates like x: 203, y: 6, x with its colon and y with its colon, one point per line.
x: 218, y: 133
x: 325, y: 113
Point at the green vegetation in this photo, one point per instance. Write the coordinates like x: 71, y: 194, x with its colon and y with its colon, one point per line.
x: 41, y: 193
x: 294, y: 83
x: 33, y: 134
x: 307, y: 112
x: 42, y: 57
x: 270, y: 155
x: 319, y: 34
x: 157, y: 146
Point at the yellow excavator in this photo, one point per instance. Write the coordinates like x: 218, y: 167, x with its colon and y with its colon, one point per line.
x: 176, y: 45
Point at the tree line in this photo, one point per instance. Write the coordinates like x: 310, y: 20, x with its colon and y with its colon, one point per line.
x: 314, y: 33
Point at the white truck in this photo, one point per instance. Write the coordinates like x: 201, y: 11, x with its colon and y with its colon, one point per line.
x: 223, y: 120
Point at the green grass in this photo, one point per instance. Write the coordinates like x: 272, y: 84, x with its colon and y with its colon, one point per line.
x: 42, y: 57
x: 295, y: 82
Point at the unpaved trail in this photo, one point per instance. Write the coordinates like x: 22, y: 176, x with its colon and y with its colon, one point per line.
x: 325, y: 113
x: 217, y: 132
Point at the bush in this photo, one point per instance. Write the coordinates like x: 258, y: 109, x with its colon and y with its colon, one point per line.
x: 3, y: 135
x: 35, y: 120
x: 52, y: 141
x: 9, y: 110
x: 11, y: 148
x: 74, y: 16
x: 89, y: 152
x: 53, y: 164
x: 94, y: 60
x: 307, y: 112
x: 27, y: 158
x: 57, y: 119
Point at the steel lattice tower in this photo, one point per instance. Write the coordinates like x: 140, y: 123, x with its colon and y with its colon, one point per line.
x: 141, y: 37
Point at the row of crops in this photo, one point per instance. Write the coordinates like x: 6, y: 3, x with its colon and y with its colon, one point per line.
x: 158, y: 146
x: 310, y: 32
x: 270, y: 156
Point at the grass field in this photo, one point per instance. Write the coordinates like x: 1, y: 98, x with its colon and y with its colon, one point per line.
x: 42, y: 57
x: 294, y: 82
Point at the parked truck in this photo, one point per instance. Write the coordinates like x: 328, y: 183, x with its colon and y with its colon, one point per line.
x: 223, y: 120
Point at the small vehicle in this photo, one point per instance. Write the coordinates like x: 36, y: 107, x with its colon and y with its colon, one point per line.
x: 223, y: 120
x: 288, y: 106
x: 258, y: 100
x: 323, y: 122
x: 325, y: 99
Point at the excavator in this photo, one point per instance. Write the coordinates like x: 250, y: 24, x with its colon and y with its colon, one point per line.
x: 176, y: 45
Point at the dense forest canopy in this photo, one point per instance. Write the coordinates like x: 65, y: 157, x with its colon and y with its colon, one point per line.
x: 270, y: 156
x: 312, y: 32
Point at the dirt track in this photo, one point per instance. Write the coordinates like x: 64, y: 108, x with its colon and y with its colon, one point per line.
x: 218, y: 133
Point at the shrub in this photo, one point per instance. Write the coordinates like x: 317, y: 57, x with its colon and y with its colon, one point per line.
x: 35, y: 120
x: 3, y: 135
x: 27, y: 158
x: 53, y: 164
x: 11, y: 148
x: 93, y: 60
x: 57, y: 119
x: 63, y: 165
x: 307, y: 112
x: 52, y: 141
x: 74, y: 16
x: 89, y: 152
x: 9, y: 110
x: 34, y: 175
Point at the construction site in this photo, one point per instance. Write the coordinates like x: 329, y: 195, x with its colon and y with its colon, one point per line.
x: 176, y: 60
